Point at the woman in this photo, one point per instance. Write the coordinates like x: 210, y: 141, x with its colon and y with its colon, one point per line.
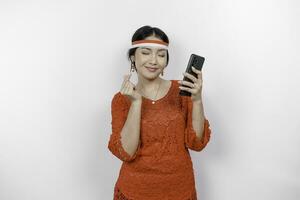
x: 153, y: 126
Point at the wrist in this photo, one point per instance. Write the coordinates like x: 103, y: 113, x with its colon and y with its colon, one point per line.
x: 138, y: 102
x: 197, y: 101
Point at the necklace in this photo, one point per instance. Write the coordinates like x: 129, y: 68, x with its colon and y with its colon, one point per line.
x: 153, y: 101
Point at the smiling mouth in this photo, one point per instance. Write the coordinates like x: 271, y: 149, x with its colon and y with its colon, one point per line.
x: 152, y: 69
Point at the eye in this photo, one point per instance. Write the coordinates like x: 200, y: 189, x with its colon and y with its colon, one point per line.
x: 162, y: 56
x: 145, y: 53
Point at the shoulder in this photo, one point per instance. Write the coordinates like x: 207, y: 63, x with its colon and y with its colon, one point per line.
x: 174, y: 83
x: 120, y: 99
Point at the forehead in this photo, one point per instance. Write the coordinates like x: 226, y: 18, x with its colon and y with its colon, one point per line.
x: 153, y: 48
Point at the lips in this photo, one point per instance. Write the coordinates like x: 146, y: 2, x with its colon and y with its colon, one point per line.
x: 152, y: 69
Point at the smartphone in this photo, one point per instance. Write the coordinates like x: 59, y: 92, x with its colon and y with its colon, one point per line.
x: 197, y: 62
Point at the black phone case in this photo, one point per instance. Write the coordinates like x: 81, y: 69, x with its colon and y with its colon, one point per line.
x: 196, y: 61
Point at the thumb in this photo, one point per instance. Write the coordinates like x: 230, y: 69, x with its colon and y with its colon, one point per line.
x: 127, y: 76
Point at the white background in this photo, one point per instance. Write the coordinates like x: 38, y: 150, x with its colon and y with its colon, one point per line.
x: 62, y: 62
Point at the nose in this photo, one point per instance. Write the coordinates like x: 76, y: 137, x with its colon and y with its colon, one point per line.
x: 153, y: 59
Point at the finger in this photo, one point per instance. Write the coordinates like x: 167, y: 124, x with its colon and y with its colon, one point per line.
x: 187, y: 89
x: 125, y: 78
x: 124, y: 81
x: 123, y: 88
x: 130, y: 88
x: 190, y: 76
x: 197, y: 71
x: 187, y: 83
x: 126, y: 86
x: 129, y: 76
x: 126, y: 89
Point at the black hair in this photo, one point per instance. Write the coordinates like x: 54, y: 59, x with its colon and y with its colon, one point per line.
x: 145, y: 31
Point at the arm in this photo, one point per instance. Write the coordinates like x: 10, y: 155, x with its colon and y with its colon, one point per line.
x: 198, y: 118
x: 197, y: 131
x: 125, y: 138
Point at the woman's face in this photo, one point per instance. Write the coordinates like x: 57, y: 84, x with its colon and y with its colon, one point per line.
x: 150, y: 61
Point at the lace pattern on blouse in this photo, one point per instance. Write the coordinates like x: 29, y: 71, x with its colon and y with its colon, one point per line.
x: 118, y: 195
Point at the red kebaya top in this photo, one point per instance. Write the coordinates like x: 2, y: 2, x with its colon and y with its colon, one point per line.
x: 161, y: 168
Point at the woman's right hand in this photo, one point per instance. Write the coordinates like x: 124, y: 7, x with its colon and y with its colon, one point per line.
x: 128, y: 89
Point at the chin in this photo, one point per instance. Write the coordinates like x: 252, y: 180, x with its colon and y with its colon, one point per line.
x: 150, y: 77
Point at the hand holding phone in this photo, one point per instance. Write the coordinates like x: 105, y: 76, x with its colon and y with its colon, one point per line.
x: 197, y: 62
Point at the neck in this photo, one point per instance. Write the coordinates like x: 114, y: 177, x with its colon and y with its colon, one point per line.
x: 148, y: 85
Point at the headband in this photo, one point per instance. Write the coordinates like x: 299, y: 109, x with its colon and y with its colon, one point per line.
x: 150, y: 43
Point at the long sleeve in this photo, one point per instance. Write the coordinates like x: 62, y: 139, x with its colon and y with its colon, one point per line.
x: 190, y: 138
x: 119, y: 111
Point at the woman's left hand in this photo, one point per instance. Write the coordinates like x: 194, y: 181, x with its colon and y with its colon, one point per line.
x: 194, y: 88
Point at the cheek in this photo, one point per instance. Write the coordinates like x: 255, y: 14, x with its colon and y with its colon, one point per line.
x: 140, y: 60
x: 143, y: 60
x: 162, y: 61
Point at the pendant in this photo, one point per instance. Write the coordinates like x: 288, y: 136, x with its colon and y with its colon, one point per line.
x: 153, y: 102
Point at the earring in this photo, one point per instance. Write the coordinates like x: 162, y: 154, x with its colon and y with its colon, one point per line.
x: 162, y: 72
x: 132, y: 67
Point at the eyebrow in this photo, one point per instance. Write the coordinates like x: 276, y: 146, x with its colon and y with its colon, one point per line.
x: 151, y: 49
